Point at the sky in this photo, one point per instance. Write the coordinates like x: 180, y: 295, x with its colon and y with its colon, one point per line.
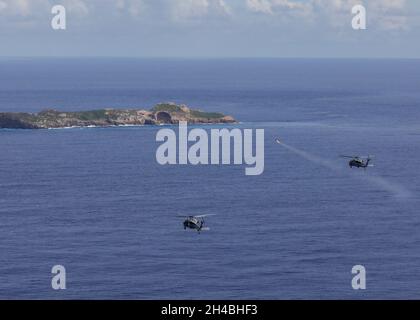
x: 211, y: 28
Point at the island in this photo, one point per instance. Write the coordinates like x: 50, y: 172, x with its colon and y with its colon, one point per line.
x: 163, y: 113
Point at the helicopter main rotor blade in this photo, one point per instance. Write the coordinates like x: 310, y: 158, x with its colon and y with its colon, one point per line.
x: 355, y: 157
x: 205, y: 215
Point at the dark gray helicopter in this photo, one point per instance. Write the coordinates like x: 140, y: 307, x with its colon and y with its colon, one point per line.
x: 196, y: 222
x: 359, y: 161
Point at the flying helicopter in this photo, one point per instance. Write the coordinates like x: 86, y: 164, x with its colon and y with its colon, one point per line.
x: 359, y: 161
x: 196, y: 222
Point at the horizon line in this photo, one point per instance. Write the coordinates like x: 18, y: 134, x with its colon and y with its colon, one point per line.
x: 207, y: 58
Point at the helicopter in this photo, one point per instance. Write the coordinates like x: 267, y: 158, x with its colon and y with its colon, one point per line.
x: 196, y: 222
x: 359, y: 161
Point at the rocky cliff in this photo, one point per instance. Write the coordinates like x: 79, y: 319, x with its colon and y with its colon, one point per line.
x: 168, y: 113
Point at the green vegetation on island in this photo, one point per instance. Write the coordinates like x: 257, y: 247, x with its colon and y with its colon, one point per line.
x: 169, y: 113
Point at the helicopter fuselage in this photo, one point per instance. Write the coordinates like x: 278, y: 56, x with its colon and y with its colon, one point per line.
x: 358, y: 163
x: 193, y: 223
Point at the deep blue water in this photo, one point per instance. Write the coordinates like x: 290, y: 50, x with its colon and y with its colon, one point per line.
x: 96, y: 201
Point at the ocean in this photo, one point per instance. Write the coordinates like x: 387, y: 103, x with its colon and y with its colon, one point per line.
x: 96, y: 201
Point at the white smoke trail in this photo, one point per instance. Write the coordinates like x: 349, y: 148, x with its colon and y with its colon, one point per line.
x: 311, y: 157
x: 396, y: 190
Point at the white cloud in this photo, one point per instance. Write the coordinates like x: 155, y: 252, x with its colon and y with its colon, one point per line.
x: 3, y: 5
x: 389, y: 14
x: 135, y: 8
x: 23, y: 7
x: 279, y: 6
x: 382, y: 14
x: 263, y: 6
x: 33, y: 8
x: 190, y: 9
x: 77, y: 7
x: 390, y: 4
x: 15, y: 7
x: 222, y: 7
